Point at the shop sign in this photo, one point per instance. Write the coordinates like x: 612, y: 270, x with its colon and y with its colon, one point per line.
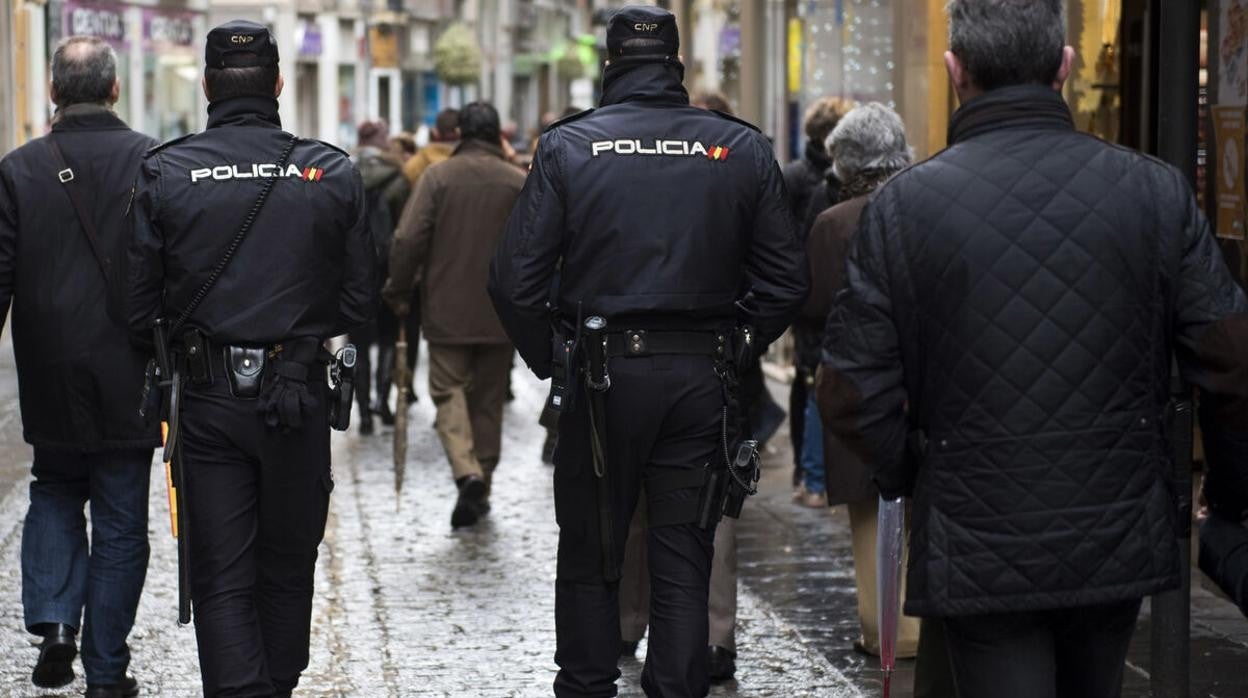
x: 169, y: 28
x: 308, y: 37
x: 104, y: 21
x: 1229, y: 130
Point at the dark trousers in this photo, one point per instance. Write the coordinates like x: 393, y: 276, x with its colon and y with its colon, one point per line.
x: 1064, y: 653
x: 257, y: 500
x: 65, y: 579
x: 663, y: 416
x: 384, y: 333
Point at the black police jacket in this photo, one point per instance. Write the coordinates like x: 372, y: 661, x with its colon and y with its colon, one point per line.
x: 662, y: 215
x: 1018, y: 298
x: 307, y: 268
x: 78, y: 375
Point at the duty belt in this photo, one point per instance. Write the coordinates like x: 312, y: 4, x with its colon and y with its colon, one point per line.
x: 638, y: 343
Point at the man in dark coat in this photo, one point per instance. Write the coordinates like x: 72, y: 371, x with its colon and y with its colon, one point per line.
x: 669, y: 224
x: 1003, y: 352
x: 63, y: 235
x: 445, y: 241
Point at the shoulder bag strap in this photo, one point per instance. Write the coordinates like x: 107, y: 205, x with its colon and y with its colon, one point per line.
x: 68, y: 180
x: 243, y: 229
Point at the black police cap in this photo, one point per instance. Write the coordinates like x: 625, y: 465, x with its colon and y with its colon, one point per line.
x: 240, y: 44
x: 642, y: 31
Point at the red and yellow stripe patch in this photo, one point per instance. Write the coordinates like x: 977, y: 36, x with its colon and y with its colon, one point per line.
x: 312, y: 174
x: 718, y: 153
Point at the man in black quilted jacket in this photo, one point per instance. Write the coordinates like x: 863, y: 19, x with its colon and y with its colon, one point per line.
x: 1002, y: 353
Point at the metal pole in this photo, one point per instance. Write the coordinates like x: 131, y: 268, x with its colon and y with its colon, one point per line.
x: 1178, y: 86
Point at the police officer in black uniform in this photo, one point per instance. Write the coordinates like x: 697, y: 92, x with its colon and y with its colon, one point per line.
x: 670, y: 227
x: 246, y: 333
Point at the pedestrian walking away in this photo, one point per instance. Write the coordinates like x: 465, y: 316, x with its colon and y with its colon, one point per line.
x: 868, y: 146
x: 446, y: 239
x: 660, y: 217
x: 251, y: 248
x: 63, y: 239
x: 1003, y: 353
x: 385, y: 192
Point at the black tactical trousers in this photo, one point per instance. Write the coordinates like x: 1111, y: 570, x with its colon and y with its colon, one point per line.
x: 663, y: 415
x: 257, y: 500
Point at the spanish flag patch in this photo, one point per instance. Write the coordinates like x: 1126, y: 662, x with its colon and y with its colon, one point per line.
x: 312, y: 174
x: 718, y: 153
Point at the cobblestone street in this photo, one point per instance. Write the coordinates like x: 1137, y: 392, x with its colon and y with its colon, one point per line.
x: 406, y: 607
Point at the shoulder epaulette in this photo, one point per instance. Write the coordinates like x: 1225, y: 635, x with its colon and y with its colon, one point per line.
x: 331, y: 146
x: 157, y: 148
x: 737, y: 119
x: 569, y: 119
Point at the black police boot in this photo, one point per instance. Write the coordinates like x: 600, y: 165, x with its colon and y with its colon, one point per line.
x: 55, y: 667
x: 366, y: 422
x: 723, y: 663
x: 128, y: 688
x: 470, y: 506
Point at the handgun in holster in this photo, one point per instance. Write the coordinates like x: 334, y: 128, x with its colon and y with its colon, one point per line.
x: 342, y: 387
x: 743, y: 474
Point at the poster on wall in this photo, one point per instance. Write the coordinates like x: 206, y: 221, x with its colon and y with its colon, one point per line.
x: 1233, y: 53
x: 1229, y: 128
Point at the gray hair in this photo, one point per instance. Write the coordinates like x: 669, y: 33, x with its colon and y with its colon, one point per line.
x: 869, y: 138
x: 84, y: 69
x: 1008, y: 42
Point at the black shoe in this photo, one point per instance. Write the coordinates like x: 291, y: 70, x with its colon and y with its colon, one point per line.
x: 55, y: 667
x: 470, y: 506
x: 128, y: 688
x: 723, y: 663
x: 366, y: 425
x: 628, y: 648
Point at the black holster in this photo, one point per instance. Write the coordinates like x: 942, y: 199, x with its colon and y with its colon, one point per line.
x: 342, y: 388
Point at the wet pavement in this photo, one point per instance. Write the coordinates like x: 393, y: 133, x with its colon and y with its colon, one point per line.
x: 406, y: 607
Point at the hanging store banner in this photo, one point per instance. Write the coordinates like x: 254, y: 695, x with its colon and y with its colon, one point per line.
x: 102, y: 20
x: 165, y: 29
x: 1229, y: 128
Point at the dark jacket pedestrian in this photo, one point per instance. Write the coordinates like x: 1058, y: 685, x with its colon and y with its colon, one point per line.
x: 1003, y: 352
x: 255, y: 411
x: 386, y: 191
x: 445, y: 242
x: 65, y: 199
x: 803, y: 178
x: 669, y: 224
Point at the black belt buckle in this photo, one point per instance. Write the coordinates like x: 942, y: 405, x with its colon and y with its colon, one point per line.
x: 245, y: 368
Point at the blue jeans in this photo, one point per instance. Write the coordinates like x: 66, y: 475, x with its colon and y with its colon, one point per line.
x: 813, y: 474
x: 62, y: 575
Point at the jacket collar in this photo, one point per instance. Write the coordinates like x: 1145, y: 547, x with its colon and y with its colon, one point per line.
x: 817, y: 157
x: 86, y: 117
x: 1021, y: 106
x: 244, y: 111
x: 650, y: 81
x: 477, y: 146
